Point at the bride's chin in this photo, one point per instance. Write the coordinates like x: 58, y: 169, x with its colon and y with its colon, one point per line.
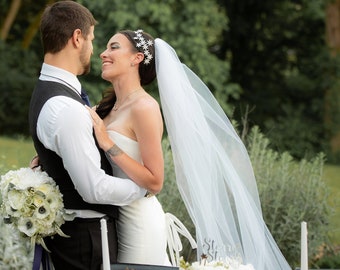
x: 104, y: 77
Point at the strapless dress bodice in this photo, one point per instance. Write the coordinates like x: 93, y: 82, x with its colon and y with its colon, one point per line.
x: 141, y: 226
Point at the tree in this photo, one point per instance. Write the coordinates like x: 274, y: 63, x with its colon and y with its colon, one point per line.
x: 192, y: 27
x: 12, y: 13
x: 279, y: 57
x: 19, y: 64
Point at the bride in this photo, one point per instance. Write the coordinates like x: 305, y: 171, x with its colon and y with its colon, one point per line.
x: 131, y: 134
x: 213, y: 171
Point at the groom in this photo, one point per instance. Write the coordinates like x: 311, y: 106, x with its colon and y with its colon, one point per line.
x: 61, y: 129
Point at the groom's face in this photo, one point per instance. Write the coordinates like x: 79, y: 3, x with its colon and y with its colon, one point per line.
x: 86, y: 52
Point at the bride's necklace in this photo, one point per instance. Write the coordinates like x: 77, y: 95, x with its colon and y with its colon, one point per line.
x: 117, y: 106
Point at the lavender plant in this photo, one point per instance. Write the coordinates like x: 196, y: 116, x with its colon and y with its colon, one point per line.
x: 290, y: 191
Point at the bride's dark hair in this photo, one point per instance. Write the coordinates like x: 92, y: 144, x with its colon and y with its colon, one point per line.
x: 147, y: 72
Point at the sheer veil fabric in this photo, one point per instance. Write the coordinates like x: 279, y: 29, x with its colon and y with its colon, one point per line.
x: 213, y: 171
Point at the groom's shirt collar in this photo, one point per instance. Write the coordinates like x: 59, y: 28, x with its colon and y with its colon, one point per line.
x: 55, y: 74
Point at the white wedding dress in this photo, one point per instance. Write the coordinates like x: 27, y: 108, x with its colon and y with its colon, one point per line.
x: 141, y: 226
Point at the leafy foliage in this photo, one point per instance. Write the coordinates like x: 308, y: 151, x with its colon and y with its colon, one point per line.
x: 290, y: 133
x: 269, y: 55
x: 280, y: 58
x: 17, y: 83
x: 329, y: 260
x: 290, y: 192
x: 192, y: 28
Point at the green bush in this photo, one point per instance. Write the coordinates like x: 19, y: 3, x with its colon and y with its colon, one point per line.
x: 295, y: 132
x: 329, y: 260
x: 18, y: 68
x: 291, y: 192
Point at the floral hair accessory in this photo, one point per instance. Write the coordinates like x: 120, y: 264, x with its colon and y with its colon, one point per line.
x: 143, y: 44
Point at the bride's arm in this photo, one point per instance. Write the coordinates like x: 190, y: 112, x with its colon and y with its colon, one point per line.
x: 148, y: 127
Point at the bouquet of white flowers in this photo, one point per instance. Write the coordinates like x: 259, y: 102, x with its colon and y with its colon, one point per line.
x: 32, y: 203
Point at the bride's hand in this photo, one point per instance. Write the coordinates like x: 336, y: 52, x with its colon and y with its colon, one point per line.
x: 103, y: 139
x: 34, y: 164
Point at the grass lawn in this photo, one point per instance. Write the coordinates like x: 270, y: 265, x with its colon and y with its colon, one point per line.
x: 16, y: 153
x: 332, y: 178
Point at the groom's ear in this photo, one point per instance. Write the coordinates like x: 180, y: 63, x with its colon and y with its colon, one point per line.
x: 76, y: 38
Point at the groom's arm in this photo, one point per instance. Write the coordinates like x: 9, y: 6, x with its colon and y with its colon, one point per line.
x: 68, y: 131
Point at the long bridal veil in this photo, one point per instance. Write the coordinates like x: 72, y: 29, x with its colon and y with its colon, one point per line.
x: 213, y: 171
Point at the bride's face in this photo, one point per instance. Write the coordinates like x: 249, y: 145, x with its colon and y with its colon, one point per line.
x: 118, y: 57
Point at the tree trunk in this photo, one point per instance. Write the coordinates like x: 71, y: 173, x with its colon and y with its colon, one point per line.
x: 12, y: 13
x: 34, y: 27
x: 332, y: 107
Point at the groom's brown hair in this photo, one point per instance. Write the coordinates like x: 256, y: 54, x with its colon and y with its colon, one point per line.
x: 60, y: 20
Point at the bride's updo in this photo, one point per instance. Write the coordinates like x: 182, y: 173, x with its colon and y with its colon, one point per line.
x: 144, y: 43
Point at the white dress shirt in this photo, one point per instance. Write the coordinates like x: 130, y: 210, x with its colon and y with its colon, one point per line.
x: 65, y: 127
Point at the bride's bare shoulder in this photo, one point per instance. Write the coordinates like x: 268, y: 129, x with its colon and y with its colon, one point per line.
x: 145, y: 103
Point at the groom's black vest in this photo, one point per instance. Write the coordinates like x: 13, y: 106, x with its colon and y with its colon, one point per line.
x: 50, y: 161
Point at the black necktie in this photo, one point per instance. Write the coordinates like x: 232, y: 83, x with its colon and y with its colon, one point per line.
x: 85, y: 97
